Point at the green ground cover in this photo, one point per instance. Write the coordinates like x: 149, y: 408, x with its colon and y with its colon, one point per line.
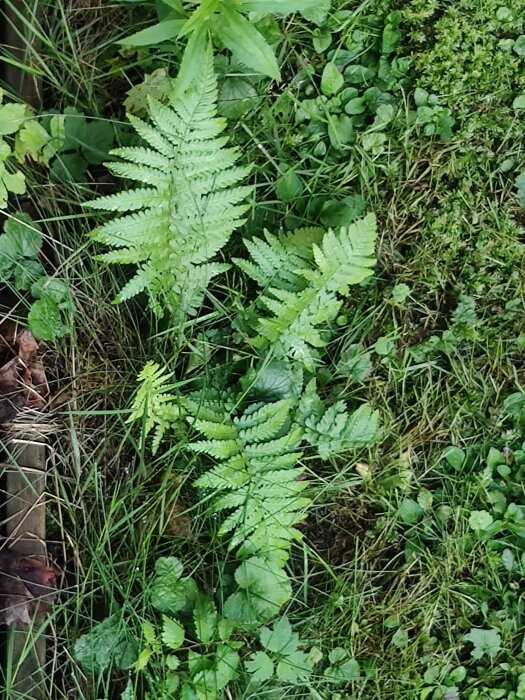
x: 315, y: 487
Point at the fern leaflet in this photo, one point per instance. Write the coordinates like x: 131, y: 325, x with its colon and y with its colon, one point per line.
x: 187, y: 205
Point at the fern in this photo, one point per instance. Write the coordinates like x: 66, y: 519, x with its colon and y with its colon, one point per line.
x: 304, y: 301
x: 153, y: 405
x: 256, y: 479
x: 187, y: 206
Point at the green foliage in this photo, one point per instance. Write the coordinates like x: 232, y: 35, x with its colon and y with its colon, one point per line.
x: 227, y: 23
x: 31, y: 140
x: 485, y: 643
x: 340, y: 260
x: 83, y: 143
x: 257, y: 476
x: 186, y: 209
x: 105, y: 645
x: 361, y: 86
x: 153, y: 404
x: 20, y: 244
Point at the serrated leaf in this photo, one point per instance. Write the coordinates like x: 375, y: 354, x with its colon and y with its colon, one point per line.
x: 260, y: 666
x: 342, y: 669
x: 168, y: 590
x: 106, y: 644
x: 12, y: 116
x: 485, y: 643
x: 205, y: 619
x: 293, y: 668
x: 172, y: 633
x: 281, y: 639
x: 45, y: 321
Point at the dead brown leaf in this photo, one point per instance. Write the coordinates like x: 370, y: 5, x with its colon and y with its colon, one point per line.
x: 27, y: 588
x: 22, y: 377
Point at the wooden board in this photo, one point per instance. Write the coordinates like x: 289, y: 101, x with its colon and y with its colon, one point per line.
x: 24, y: 527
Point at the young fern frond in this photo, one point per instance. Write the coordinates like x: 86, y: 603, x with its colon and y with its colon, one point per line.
x: 153, y: 404
x: 301, y: 311
x: 257, y: 477
x: 187, y: 205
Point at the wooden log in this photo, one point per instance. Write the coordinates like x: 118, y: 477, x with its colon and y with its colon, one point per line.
x: 24, y: 527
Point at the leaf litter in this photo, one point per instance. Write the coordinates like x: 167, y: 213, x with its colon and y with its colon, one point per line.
x: 23, y: 381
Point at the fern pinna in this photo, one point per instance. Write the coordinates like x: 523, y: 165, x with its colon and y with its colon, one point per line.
x: 187, y: 205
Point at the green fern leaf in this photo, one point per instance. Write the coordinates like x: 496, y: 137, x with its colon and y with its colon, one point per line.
x: 304, y: 301
x: 257, y: 480
x: 154, y: 405
x: 337, y: 431
x: 187, y: 205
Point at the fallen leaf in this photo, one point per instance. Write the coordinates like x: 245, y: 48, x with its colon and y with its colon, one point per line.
x: 27, y: 588
x: 22, y: 377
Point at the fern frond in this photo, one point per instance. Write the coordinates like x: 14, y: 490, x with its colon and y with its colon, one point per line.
x: 188, y: 204
x: 257, y: 479
x: 153, y: 404
x: 304, y: 300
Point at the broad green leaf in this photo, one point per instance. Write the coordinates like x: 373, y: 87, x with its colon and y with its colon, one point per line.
x: 480, y: 520
x: 293, y: 668
x: 168, y: 592
x: 156, y: 34
x: 455, y: 456
x: 246, y: 43
x: 236, y: 97
x: 45, y: 321
x: 156, y: 84
x: 172, y: 633
x: 25, y: 235
x: 51, y: 287
x: 486, y: 643
x: 278, y: 7
x: 31, y: 140
x: 335, y: 214
x: 342, y: 669
x: 106, y: 644
x: 226, y: 663
x: 321, y: 40
x: 281, y: 639
x: 205, y: 619
x: 410, y: 511
x: 289, y: 186
x: 13, y: 182
x: 331, y: 79
x: 260, y: 666
x: 519, y: 102
x: 340, y: 130
x: 519, y: 45
x: 12, y: 116
x: 192, y: 61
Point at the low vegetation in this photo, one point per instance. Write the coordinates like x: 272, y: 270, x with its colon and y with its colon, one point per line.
x: 274, y: 251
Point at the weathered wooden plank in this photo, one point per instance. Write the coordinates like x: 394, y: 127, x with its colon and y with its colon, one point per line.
x: 24, y: 527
